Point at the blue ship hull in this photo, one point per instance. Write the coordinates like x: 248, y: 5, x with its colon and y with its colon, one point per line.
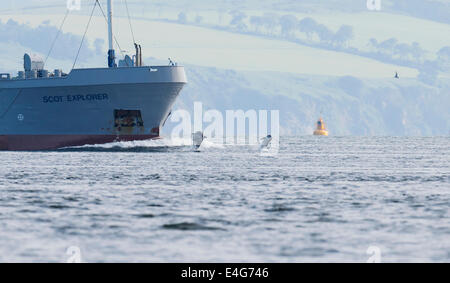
x: 89, y: 106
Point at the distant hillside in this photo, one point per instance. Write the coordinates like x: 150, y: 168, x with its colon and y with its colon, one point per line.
x: 201, y: 46
x: 349, y: 105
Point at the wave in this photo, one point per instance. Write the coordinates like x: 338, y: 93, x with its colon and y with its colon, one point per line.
x: 158, y: 145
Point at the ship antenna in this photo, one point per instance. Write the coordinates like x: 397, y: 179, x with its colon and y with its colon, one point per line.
x: 106, y: 20
x: 111, y: 52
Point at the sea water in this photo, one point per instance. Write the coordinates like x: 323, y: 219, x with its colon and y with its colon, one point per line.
x: 320, y: 199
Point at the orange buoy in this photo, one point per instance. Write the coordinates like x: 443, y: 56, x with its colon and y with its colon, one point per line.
x: 321, y: 128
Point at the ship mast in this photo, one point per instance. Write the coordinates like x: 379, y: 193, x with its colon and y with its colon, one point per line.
x: 111, y: 52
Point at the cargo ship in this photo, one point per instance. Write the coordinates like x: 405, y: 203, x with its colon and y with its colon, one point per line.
x: 42, y: 110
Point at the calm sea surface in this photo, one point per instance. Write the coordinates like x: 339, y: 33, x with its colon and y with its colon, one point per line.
x: 319, y: 199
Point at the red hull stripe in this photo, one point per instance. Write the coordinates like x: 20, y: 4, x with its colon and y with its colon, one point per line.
x: 47, y: 142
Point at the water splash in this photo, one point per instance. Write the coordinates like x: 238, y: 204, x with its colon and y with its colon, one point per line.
x: 155, y: 145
